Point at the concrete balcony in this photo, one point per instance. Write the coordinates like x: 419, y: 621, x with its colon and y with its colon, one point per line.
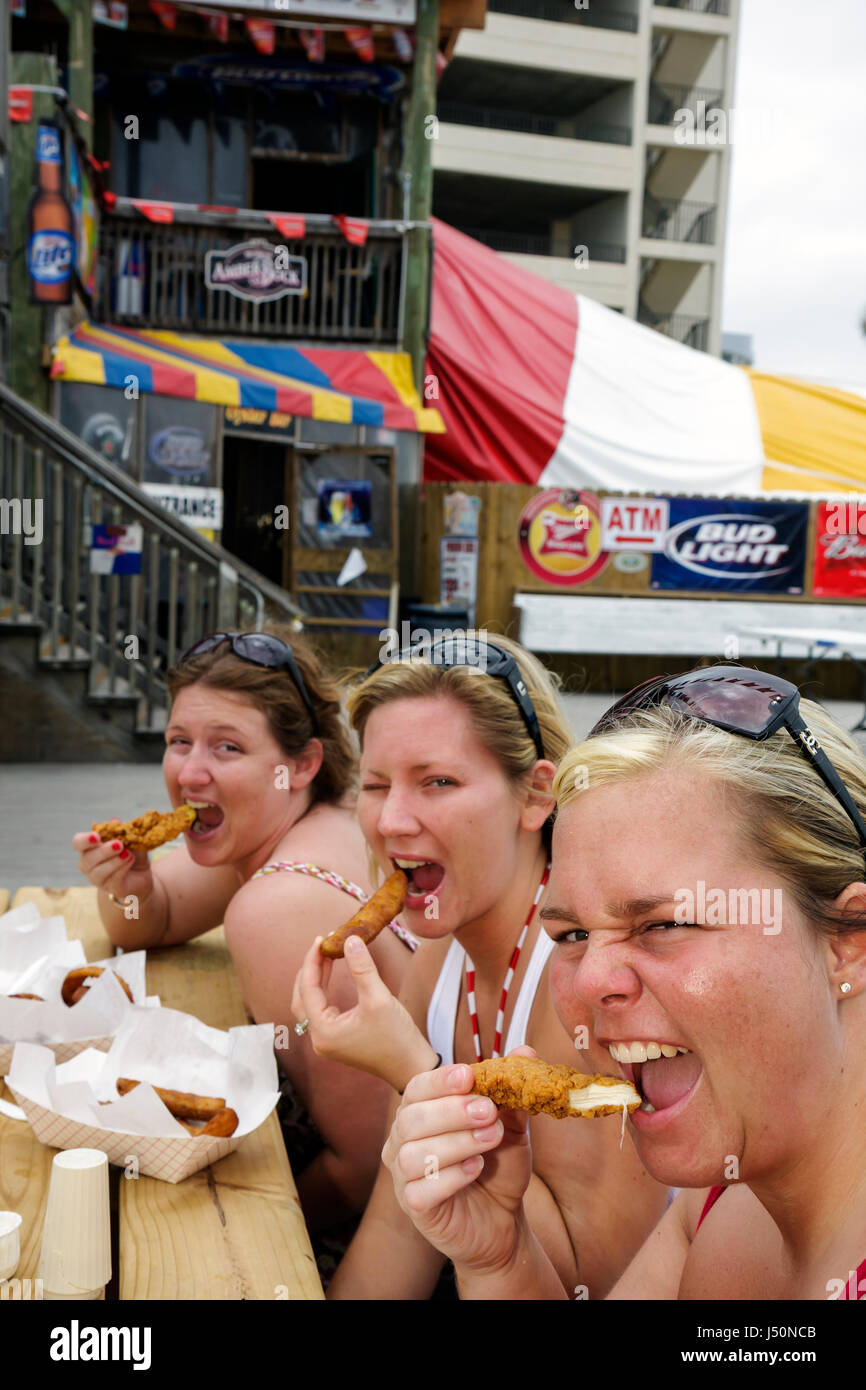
x: 558, y: 47
x: 534, y: 158
x: 692, y: 16
x: 601, y: 280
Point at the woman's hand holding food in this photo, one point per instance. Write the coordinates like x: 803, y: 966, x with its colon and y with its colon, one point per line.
x: 113, y: 868
x: 378, y: 1034
x: 460, y: 1173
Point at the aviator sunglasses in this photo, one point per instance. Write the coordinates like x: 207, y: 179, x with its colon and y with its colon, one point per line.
x: 261, y: 649
x: 460, y: 649
x: 750, y: 703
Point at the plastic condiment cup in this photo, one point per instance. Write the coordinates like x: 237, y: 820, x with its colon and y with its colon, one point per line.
x: 76, y: 1238
x: 10, y: 1243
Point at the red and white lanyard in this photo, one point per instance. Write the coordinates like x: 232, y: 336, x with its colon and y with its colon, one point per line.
x: 509, y: 976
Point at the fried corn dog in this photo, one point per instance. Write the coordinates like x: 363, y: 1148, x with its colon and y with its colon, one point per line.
x: 376, y: 913
x: 221, y: 1126
x: 149, y: 831
x: 74, y: 988
x: 182, y: 1104
x: 543, y: 1088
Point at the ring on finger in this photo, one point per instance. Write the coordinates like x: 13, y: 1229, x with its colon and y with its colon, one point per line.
x: 301, y: 1028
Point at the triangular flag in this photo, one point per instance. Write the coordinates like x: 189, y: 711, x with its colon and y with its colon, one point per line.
x: 361, y: 39
x: 218, y: 23
x: 314, y: 43
x: 354, y: 229
x: 403, y: 46
x: 263, y: 34
x: 288, y: 225
x: 165, y: 13
x: 154, y: 212
x: 20, y: 104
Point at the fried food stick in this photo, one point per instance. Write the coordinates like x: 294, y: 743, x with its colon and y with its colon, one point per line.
x: 148, y: 831
x: 222, y: 1125
x: 74, y: 988
x: 543, y: 1088
x: 182, y: 1104
x: 376, y: 913
x: 27, y: 996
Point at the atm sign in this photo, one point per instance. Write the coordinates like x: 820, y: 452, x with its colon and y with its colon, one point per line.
x: 633, y: 523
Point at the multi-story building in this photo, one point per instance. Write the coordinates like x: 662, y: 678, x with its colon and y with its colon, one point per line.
x: 589, y: 141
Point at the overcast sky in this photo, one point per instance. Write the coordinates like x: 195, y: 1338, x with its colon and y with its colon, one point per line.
x: 795, y: 266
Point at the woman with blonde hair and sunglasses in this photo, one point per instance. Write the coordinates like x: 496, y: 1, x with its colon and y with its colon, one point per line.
x: 257, y: 742
x: 459, y: 746
x: 708, y: 908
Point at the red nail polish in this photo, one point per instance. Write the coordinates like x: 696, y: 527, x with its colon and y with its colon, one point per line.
x: 127, y: 854
x: 94, y: 838
x: 115, y: 844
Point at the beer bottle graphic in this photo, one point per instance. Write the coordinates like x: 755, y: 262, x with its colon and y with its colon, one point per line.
x: 50, y: 243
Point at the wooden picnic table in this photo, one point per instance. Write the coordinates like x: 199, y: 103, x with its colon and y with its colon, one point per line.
x: 231, y: 1231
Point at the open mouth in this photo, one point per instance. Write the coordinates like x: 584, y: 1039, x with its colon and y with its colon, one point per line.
x: 209, y: 817
x: 425, y: 877
x: 663, y: 1073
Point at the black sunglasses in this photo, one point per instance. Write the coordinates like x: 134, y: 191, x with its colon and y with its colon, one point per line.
x: 462, y: 649
x: 261, y: 649
x: 751, y: 703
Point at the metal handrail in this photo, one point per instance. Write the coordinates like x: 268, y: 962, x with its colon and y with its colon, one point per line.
x: 667, y: 98
x: 674, y: 219
x: 697, y: 6
x: 565, y: 128
x: 690, y: 329
x: 187, y: 585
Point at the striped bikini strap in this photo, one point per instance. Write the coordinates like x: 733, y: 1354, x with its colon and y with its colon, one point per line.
x: 299, y: 866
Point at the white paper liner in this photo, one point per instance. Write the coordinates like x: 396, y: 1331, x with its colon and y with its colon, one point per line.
x: 169, y: 1049
x: 35, y: 958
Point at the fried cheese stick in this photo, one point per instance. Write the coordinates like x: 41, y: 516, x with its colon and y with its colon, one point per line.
x: 376, y: 913
x: 544, y: 1088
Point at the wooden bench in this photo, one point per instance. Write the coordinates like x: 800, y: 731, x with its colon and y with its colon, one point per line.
x: 234, y: 1230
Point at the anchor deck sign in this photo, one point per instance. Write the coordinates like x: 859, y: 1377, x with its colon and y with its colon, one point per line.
x: 256, y: 270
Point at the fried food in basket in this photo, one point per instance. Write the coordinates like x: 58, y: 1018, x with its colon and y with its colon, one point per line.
x: 221, y: 1126
x: 544, y: 1088
x: 27, y: 996
x: 182, y: 1104
x: 376, y: 913
x: 73, y: 988
x: 149, y: 831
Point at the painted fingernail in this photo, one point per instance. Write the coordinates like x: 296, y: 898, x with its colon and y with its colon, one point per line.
x: 480, y: 1109
x: 115, y: 844
x: 127, y: 854
x: 94, y: 838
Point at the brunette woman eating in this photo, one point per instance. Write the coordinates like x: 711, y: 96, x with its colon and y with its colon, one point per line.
x: 257, y: 743
x: 708, y: 908
x: 459, y: 747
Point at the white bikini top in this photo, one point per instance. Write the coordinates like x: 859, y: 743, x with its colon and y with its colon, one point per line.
x: 442, y: 1010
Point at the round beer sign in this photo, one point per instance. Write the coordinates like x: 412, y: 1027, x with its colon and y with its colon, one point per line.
x: 560, y: 536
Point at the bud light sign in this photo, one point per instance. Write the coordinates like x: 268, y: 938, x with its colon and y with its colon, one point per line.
x: 745, y: 547
x: 50, y: 257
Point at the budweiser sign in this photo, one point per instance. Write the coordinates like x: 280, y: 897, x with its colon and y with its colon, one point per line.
x: 256, y: 270
x: 839, y: 566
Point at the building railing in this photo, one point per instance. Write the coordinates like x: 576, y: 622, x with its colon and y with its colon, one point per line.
x: 562, y: 11
x: 666, y: 99
x: 696, y: 6
x: 153, y: 275
x: 688, y: 329
x: 672, y: 219
x: 187, y: 586
x: 526, y: 244
x: 568, y: 128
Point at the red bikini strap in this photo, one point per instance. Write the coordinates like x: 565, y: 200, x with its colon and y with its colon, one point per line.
x: 715, y: 1194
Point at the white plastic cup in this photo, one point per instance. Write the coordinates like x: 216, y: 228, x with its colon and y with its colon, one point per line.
x: 10, y: 1243
x: 76, y: 1237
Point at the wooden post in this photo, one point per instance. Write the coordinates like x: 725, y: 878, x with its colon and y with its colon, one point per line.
x: 79, y: 16
x: 420, y: 131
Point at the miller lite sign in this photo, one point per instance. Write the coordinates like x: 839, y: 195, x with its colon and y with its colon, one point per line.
x: 50, y: 240
x: 560, y: 537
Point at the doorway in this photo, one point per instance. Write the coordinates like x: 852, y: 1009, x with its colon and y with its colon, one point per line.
x: 256, y: 480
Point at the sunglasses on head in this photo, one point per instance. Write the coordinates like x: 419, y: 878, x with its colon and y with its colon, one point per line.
x: 463, y: 649
x: 751, y: 703
x: 261, y: 649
